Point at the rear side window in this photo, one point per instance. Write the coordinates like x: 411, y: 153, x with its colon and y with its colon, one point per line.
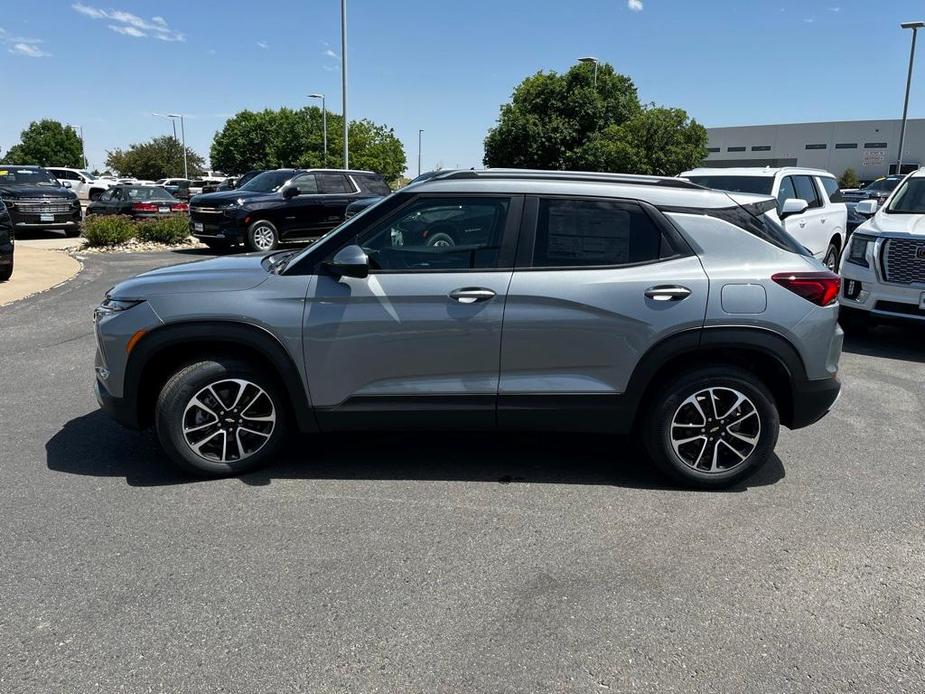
x: 806, y: 190
x: 374, y: 184
x: 333, y: 183
x: 831, y: 189
x: 592, y: 233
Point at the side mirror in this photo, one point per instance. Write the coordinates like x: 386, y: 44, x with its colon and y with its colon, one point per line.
x: 793, y: 206
x: 290, y: 192
x: 66, y: 184
x: 350, y: 261
x: 867, y: 208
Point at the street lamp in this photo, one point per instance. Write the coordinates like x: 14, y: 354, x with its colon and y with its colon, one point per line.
x: 420, y: 133
x: 172, y: 116
x: 343, y: 78
x: 915, y: 26
x: 324, y: 124
x: 83, y: 149
x: 591, y: 59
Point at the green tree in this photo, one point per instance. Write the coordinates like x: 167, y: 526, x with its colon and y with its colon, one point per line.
x: 160, y: 157
x: 849, y: 179
x: 567, y: 121
x: 47, y: 143
x: 273, y: 139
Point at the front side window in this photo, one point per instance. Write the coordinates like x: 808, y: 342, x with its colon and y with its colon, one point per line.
x: 806, y: 190
x: 591, y: 233
x: 439, y: 234
x: 786, y: 192
x: 306, y: 184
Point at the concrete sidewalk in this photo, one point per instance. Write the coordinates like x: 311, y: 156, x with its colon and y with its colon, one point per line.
x: 38, y: 266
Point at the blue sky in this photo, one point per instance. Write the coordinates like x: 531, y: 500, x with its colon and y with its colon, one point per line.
x: 441, y: 65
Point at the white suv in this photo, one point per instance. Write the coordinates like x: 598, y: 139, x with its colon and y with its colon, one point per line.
x: 85, y: 184
x: 809, y: 203
x: 884, y: 266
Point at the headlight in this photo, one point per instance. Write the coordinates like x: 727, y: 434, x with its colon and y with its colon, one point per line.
x: 111, y: 305
x: 860, y: 249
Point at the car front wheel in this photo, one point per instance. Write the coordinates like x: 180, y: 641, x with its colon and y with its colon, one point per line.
x: 262, y: 236
x: 712, y: 427
x: 220, y: 417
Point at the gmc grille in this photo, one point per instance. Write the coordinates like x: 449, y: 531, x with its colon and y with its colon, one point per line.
x: 902, y: 262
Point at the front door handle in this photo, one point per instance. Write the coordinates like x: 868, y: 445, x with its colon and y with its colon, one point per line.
x: 667, y: 293
x: 470, y: 295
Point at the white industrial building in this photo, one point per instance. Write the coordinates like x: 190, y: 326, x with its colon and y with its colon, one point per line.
x: 870, y: 147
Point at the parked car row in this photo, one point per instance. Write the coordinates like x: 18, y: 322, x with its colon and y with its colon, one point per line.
x: 138, y: 202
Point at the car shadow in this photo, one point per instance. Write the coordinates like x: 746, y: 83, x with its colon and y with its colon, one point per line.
x: 900, y: 342
x: 94, y: 445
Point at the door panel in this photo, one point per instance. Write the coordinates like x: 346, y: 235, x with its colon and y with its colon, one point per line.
x: 809, y: 228
x: 583, y: 331
x: 403, y: 335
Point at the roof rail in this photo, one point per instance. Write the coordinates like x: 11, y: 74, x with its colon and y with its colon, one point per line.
x: 590, y: 176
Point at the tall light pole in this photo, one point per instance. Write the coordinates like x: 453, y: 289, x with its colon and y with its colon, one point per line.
x: 915, y: 26
x: 172, y: 117
x: 324, y: 124
x: 343, y: 78
x: 591, y: 59
x: 83, y: 150
x: 420, y: 133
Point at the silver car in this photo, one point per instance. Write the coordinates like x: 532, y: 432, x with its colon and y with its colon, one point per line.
x: 498, y: 299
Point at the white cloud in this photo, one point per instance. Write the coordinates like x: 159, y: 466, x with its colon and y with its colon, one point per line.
x: 28, y: 49
x: 21, y: 45
x: 331, y: 54
x: 634, y: 5
x: 263, y: 44
x: 834, y: 9
x: 131, y: 24
x: 128, y: 31
x: 329, y: 68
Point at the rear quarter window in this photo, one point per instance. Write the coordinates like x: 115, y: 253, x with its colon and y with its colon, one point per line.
x: 373, y: 184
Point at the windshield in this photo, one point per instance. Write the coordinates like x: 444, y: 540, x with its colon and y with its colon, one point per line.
x: 736, y: 184
x: 267, y: 182
x: 910, y: 199
x: 14, y: 176
x: 885, y: 185
x: 87, y: 174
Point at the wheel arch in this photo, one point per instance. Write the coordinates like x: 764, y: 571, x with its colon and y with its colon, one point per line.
x: 766, y: 354
x: 161, y: 352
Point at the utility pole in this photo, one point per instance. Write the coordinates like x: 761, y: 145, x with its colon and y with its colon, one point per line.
x: 324, y: 124
x: 915, y: 26
x: 420, y: 133
x: 343, y: 77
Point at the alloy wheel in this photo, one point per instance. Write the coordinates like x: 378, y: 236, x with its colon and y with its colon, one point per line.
x: 264, y: 237
x: 715, y: 430
x: 229, y: 420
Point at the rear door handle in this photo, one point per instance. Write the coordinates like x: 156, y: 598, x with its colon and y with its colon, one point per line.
x: 470, y: 295
x: 667, y: 293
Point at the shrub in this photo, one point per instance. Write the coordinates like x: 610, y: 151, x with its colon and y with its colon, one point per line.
x: 169, y: 230
x: 109, y: 230
x: 849, y: 179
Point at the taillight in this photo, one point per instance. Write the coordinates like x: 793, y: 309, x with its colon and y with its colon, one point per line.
x: 179, y: 207
x: 821, y: 288
x: 144, y: 207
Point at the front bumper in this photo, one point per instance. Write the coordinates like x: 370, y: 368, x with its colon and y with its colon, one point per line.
x: 217, y: 226
x: 117, y: 408
x: 38, y: 222
x: 864, y: 291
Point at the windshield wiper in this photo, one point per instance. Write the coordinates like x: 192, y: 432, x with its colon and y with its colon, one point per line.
x: 280, y: 265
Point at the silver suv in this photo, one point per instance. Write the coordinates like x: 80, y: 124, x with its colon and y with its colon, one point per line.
x: 499, y: 299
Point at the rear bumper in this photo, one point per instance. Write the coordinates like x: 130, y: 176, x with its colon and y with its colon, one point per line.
x: 812, y: 400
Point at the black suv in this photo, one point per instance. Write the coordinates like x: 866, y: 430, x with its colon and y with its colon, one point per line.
x: 6, y: 244
x: 37, y: 201
x: 281, y: 205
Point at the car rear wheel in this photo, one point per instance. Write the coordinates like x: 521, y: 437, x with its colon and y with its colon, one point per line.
x: 6, y: 271
x: 220, y: 417
x: 262, y: 236
x: 712, y: 427
x: 831, y: 257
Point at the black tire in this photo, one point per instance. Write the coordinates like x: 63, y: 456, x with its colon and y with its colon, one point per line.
x: 832, y: 255
x: 217, y: 245
x: 853, y: 321
x: 763, y: 426
x: 6, y: 271
x: 262, y: 236
x: 176, y: 415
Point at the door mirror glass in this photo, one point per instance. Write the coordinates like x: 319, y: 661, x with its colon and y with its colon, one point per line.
x: 350, y: 261
x: 66, y: 184
x: 867, y: 207
x: 793, y: 206
x: 290, y: 192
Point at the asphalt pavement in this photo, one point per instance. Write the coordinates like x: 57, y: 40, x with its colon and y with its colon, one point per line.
x: 448, y: 563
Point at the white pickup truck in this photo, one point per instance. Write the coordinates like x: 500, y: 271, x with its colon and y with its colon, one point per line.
x: 82, y: 182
